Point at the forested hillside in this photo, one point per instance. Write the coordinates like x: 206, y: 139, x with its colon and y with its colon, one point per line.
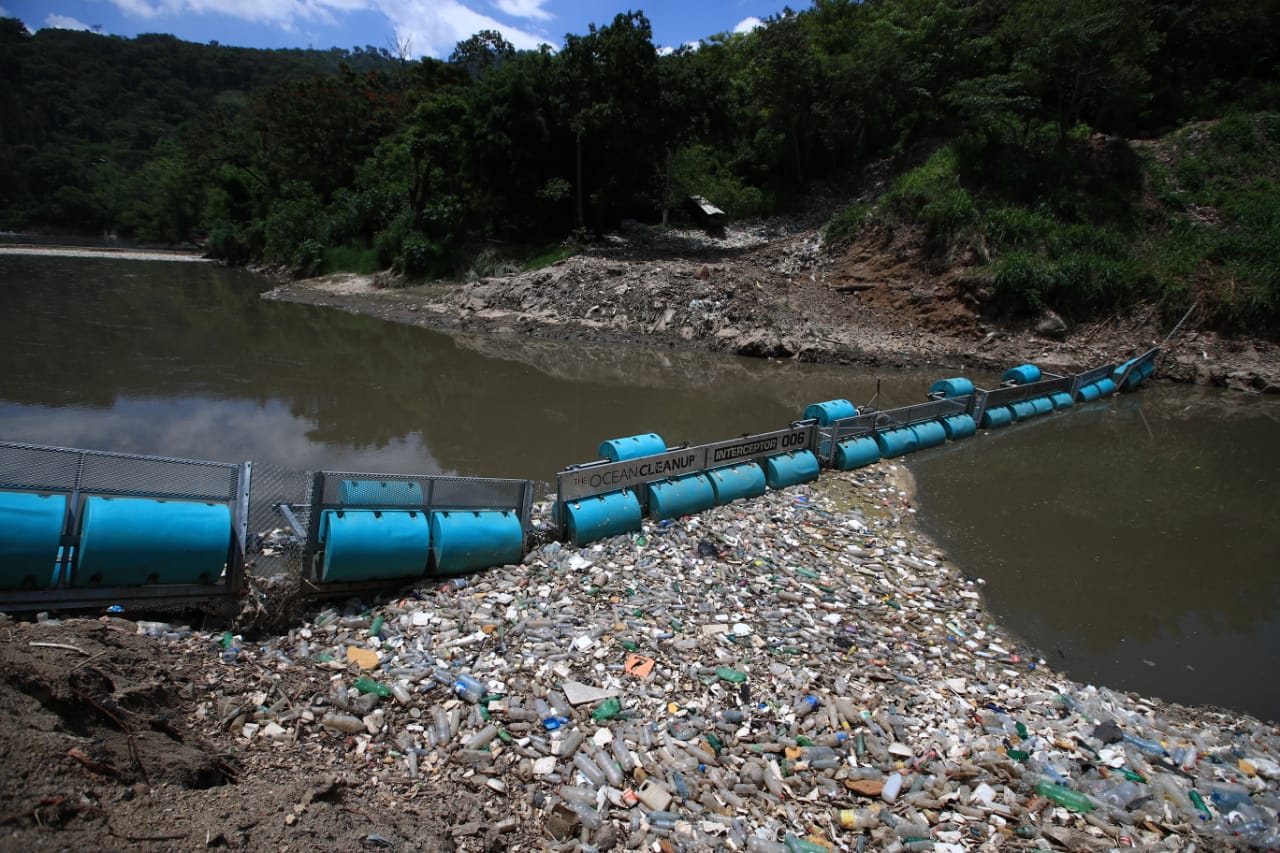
x: 1088, y: 153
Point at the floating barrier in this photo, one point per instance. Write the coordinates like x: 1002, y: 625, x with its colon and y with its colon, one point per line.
x: 168, y: 530
x: 792, y: 468
x: 632, y: 447
x: 1131, y: 374
x: 857, y: 452
x: 997, y: 417
x: 134, y: 541
x: 1023, y: 374
x: 929, y: 434
x: 602, y: 516
x: 683, y: 496
x: 30, y: 530
x: 896, y: 442
x: 959, y: 426
x: 949, y: 388
x: 829, y: 412
x: 735, y: 482
x: 467, y: 540
x: 371, y: 544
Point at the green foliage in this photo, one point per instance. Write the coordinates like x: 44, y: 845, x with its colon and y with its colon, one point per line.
x: 701, y: 170
x: 357, y: 259
x: 420, y: 257
x: 931, y: 196
x: 552, y: 255
x: 845, y: 225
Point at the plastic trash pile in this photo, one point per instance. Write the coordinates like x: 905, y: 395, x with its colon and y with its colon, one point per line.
x: 798, y: 672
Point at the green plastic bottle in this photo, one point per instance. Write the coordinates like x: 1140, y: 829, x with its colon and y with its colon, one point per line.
x: 1073, y: 800
x: 368, y: 685
x: 728, y: 673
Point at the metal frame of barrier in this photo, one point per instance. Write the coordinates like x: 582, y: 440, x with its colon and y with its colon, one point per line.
x: 80, y: 474
x: 872, y: 422
x: 440, y: 493
x: 602, y: 477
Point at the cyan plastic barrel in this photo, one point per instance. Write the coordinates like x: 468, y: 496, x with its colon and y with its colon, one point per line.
x: 681, y: 496
x: 957, y: 387
x: 30, y: 530
x: 1042, y: 405
x: 369, y: 544
x: 734, y: 482
x: 996, y: 417
x: 601, y: 516
x: 1060, y: 400
x: 632, y: 447
x: 468, y: 540
x: 959, y: 426
x: 788, y: 469
x: 1022, y: 374
x: 896, y: 442
x: 1136, y: 375
x: 831, y: 411
x: 1089, y: 393
x: 376, y: 493
x: 856, y: 452
x: 929, y: 434
x: 1024, y: 409
x: 134, y: 541
x: 1105, y: 387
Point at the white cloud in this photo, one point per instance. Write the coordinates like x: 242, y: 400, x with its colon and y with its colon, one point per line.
x: 746, y: 25
x: 433, y: 27
x: 282, y: 13
x: 664, y: 50
x: 64, y: 22
x: 524, y: 9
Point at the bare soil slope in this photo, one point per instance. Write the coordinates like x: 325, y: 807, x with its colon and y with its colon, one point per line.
x: 772, y: 289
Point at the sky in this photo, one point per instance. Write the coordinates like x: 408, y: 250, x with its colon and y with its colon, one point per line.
x: 430, y: 27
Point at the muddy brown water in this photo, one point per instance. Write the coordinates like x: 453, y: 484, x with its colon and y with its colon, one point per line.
x: 1134, y: 542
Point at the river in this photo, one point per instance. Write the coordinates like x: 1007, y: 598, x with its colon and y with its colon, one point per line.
x: 1134, y: 541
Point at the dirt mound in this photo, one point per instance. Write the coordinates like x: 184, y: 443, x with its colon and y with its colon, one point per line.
x: 118, y: 740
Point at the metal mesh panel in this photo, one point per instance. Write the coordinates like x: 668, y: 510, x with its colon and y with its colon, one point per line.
x: 274, y: 547
x: 25, y: 466
x: 439, y: 492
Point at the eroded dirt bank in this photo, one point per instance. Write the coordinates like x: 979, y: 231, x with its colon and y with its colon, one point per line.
x: 771, y: 289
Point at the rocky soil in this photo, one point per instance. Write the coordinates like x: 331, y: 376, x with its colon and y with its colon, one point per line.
x: 772, y: 289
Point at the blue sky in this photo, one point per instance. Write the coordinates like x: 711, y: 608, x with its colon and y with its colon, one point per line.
x: 432, y: 27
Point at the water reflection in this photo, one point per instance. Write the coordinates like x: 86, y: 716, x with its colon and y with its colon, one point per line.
x: 186, y: 360
x: 1134, y: 542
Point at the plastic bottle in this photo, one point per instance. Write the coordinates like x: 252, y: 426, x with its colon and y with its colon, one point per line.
x: 368, y: 685
x: 342, y: 722
x: 892, y: 786
x: 805, y: 705
x: 1073, y: 800
x: 466, y: 687
x: 589, y: 769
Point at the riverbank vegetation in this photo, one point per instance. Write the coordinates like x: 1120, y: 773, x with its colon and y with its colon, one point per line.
x: 1079, y: 157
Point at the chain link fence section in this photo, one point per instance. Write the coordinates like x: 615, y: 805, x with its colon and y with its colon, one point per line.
x: 274, y: 548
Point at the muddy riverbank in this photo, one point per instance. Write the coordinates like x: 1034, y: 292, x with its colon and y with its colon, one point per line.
x: 773, y: 290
